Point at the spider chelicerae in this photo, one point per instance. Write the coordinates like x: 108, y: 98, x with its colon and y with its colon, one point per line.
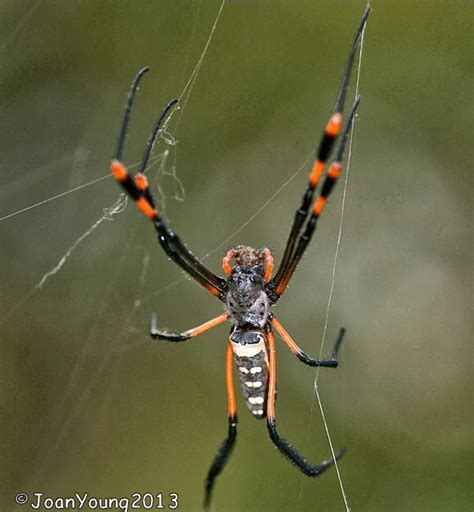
x: 249, y: 291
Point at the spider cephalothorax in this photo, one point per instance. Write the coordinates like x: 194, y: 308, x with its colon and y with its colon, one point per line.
x: 246, y: 301
x: 249, y: 289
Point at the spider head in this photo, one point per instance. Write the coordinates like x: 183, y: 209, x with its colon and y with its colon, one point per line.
x: 247, y: 257
x: 257, y: 263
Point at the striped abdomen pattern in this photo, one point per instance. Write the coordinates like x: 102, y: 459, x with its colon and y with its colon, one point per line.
x: 251, y: 360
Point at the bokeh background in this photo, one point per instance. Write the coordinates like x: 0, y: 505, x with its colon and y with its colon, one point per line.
x: 89, y: 402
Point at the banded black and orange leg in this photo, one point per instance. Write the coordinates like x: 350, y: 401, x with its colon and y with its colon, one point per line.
x: 161, y: 334
x: 333, y: 362
x: 282, y: 444
x: 225, y: 450
x: 278, y: 284
x: 137, y: 188
x: 335, y: 169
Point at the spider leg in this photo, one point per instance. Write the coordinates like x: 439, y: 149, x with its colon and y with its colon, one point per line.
x: 128, y: 110
x: 333, y: 362
x: 161, y: 334
x: 169, y: 241
x: 282, y: 444
x: 137, y: 188
x: 225, y: 450
x: 277, y: 285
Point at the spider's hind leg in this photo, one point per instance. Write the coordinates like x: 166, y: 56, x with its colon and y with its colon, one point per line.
x: 225, y: 450
x: 220, y: 460
x: 295, y: 458
x: 290, y: 453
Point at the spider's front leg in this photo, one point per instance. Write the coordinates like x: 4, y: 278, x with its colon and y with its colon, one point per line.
x: 283, y: 445
x: 298, y: 243
x: 138, y: 190
x: 297, y: 240
x: 332, y: 362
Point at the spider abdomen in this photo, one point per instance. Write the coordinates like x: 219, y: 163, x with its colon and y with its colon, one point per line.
x: 251, y: 359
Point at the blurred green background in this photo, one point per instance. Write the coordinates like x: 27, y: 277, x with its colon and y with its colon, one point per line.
x: 89, y: 403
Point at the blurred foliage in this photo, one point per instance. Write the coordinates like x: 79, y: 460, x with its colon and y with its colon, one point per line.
x: 88, y: 401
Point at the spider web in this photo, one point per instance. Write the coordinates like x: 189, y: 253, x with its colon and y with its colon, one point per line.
x: 121, y: 202
x: 164, y: 168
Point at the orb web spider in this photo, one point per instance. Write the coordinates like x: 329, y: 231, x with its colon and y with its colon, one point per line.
x: 249, y: 291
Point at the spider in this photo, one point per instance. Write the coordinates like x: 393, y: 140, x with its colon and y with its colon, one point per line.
x: 249, y: 291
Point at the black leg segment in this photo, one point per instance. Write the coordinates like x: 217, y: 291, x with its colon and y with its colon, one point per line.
x: 333, y: 362
x: 295, y: 458
x: 220, y: 460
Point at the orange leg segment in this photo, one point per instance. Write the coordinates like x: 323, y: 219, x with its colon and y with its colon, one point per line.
x: 304, y: 358
x: 229, y: 380
x: 286, y: 337
x: 271, y: 377
x: 133, y: 189
x: 186, y: 335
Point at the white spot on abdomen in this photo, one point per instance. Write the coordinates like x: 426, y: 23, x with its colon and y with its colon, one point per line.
x: 249, y: 350
x: 255, y: 384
